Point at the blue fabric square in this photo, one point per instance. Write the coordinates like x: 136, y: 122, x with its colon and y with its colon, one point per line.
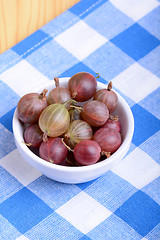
x: 152, y: 61
x: 151, y: 103
x: 151, y: 147
x: 141, y: 212
x: 116, y: 61
x: 24, y: 210
x: 7, y: 96
x: 85, y: 7
x: 114, y: 228
x: 85, y: 238
x: 6, y: 119
x: 108, y: 25
x: 81, y: 67
x: 152, y: 190
x: 136, y: 42
x: 111, y: 190
x: 32, y: 43
x: 7, y: 230
x: 8, y: 59
x: 54, y: 227
x: 151, y: 22
x: 51, y: 59
x: 7, y: 189
x: 7, y: 141
x: 145, y: 124
x: 53, y: 193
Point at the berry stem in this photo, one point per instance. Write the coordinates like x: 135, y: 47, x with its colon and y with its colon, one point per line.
x: 114, y: 118
x: 45, y: 136
x: 107, y: 154
x: 43, y: 94
x: 56, y: 80
x: 97, y: 75
x: 109, y: 86
x: 78, y: 108
x: 66, y: 145
x: 67, y: 135
x: 68, y: 101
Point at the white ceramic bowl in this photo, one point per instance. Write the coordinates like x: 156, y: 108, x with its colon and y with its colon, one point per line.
x: 83, y: 173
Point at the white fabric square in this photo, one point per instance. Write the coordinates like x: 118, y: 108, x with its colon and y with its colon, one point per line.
x: 138, y: 168
x: 83, y: 212
x: 19, y: 168
x: 23, y: 78
x: 136, y: 82
x: 22, y: 237
x: 135, y: 9
x: 80, y: 40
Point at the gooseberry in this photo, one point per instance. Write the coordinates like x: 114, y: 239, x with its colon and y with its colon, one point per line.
x: 53, y: 150
x: 54, y: 120
x: 77, y: 131
x: 30, y: 106
x: 33, y: 136
x: 58, y: 94
x: 95, y: 113
x: 108, y: 139
x: 87, y: 152
x: 113, y: 122
x: 108, y: 97
x: 82, y: 86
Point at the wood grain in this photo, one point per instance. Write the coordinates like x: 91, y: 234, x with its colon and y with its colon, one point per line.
x: 20, y: 18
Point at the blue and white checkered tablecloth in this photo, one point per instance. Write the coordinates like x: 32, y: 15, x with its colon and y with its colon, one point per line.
x: 119, y: 39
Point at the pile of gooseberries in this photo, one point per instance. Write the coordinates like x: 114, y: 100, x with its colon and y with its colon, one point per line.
x: 65, y: 133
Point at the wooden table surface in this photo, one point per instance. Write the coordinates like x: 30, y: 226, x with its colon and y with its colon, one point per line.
x: 20, y: 18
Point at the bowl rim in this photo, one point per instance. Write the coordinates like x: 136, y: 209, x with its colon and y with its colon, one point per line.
x: 101, y: 164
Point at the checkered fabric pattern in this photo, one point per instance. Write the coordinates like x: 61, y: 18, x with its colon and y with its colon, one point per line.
x: 119, y: 39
